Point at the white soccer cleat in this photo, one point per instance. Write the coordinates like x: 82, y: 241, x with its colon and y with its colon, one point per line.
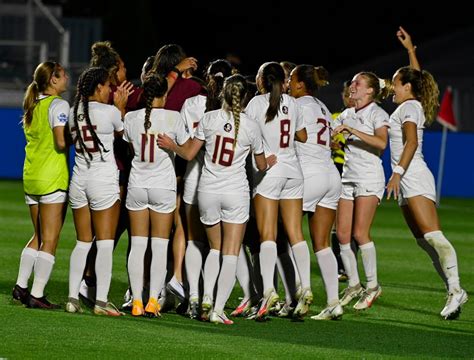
x: 368, y: 297
x: 269, y: 300
x: 305, y: 300
x: 350, y: 293
x: 287, y: 310
x: 453, y: 305
x: 73, y: 306
x: 331, y: 312
x: 220, y: 318
x: 206, y: 307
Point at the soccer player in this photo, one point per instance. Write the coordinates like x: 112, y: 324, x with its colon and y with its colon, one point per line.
x: 366, y: 127
x: 322, y: 182
x: 280, y: 188
x: 416, y: 93
x: 229, y: 135
x: 45, y: 179
x: 151, y: 199
x: 197, y: 245
x: 94, y: 192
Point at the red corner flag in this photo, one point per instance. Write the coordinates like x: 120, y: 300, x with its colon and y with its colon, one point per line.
x: 446, y: 113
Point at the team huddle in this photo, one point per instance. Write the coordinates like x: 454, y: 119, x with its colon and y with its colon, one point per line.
x: 222, y: 177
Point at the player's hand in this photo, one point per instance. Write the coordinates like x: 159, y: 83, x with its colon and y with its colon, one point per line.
x: 271, y: 161
x: 165, y: 142
x: 393, y: 186
x: 405, y: 39
x: 187, y: 63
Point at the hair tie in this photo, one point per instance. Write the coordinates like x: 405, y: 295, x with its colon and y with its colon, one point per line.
x: 219, y: 74
x: 381, y: 83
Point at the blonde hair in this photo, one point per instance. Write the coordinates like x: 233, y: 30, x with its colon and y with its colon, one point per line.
x: 41, y: 78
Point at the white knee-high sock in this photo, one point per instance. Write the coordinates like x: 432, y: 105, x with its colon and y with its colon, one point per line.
x: 257, y: 275
x: 43, y: 268
x: 268, y: 256
x: 135, y: 265
x: 211, y: 271
x: 430, y: 250
x: 328, y: 266
x: 103, y: 268
x: 297, y: 275
x: 285, y: 271
x: 159, y: 248
x: 369, y: 260
x: 193, y: 265
x: 447, y: 258
x: 350, y: 264
x: 27, y: 263
x: 226, y: 281
x: 243, y: 273
x: 77, y: 263
x: 303, y: 263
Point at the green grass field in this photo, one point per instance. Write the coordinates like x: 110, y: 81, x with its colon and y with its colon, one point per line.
x: 404, y: 322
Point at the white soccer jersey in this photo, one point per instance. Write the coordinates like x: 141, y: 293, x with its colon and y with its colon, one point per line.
x: 224, y: 165
x: 106, y: 120
x: 279, y: 133
x: 410, y: 110
x: 317, y: 149
x: 58, y: 114
x: 153, y: 167
x: 362, y: 161
x: 192, y: 111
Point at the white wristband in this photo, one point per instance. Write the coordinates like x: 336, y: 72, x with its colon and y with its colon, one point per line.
x: 398, y: 170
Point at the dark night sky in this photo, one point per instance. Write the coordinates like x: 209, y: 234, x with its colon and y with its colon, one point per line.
x: 334, y: 34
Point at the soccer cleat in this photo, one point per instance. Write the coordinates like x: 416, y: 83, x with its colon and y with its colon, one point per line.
x: 305, y: 300
x: 342, y: 276
x: 137, y: 308
x: 41, y: 303
x: 452, y: 309
x: 368, y: 297
x: 106, y: 308
x: 21, y: 294
x: 87, y: 294
x: 167, y: 303
x: 252, y: 312
x: 220, y: 318
x: 206, y: 307
x: 73, y: 306
x: 242, y: 308
x: 153, y: 308
x: 176, y: 288
x: 350, y: 293
x: 331, y: 312
x: 269, y: 299
x: 287, y: 310
x: 127, y: 301
x: 193, y: 310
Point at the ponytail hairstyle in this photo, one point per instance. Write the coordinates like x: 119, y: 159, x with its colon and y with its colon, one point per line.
x: 272, y: 78
x: 217, y: 72
x: 235, y: 89
x: 312, y: 77
x: 86, y: 86
x: 154, y: 86
x: 41, y: 78
x: 104, y: 55
x: 382, y: 88
x: 424, y: 88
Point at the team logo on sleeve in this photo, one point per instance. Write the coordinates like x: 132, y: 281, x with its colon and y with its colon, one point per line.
x: 228, y: 127
x: 408, y: 117
x: 285, y: 110
x: 323, y: 111
x: 186, y: 127
x: 62, y: 118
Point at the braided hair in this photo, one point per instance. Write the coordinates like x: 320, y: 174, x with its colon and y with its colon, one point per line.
x: 235, y: 89
x: 154, y: 86
x: 86, y: 86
